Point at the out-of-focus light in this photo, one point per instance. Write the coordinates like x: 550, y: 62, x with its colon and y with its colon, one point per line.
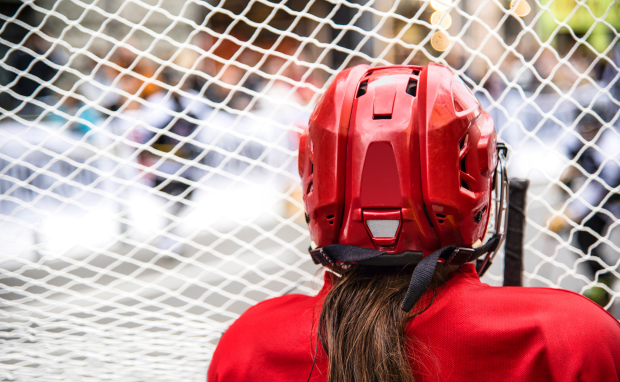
x: 73, y: 232
x: 447, y: 20
x: 520, y: 7
x: 441, y: 5
x: 440, y: 41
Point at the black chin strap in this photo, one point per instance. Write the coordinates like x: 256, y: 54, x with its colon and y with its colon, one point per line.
x: 422, y: 276
x: 423, y: 272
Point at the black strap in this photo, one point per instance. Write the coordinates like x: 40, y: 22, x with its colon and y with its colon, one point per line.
x: 343, y: 253
x: 461, y: 256
x: 423, y: 272
x: 489, y: 247
x: 422, y: 276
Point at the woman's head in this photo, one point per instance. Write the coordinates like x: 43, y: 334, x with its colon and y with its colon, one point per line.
x: 398, y: 159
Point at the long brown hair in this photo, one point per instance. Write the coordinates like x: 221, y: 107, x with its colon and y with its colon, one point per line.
x: 362, y: 327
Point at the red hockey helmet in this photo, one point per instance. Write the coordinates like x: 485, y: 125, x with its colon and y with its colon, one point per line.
x: 398, y: 159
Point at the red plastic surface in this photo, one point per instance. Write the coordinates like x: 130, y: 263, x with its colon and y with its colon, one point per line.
x: 429, y: 155
x: 323, y: 157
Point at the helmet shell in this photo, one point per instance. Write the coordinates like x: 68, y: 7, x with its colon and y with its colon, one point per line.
x: 398, y: 158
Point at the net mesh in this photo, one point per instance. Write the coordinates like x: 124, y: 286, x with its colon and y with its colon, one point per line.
x: 148, y: 159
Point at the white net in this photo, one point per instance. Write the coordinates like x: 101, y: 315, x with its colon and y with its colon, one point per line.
x: 148, y: 159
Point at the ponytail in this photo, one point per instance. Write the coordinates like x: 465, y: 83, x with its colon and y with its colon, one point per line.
x: 362, y: 327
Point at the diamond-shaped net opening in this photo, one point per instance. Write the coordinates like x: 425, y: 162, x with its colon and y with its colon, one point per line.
x: 148, y: 163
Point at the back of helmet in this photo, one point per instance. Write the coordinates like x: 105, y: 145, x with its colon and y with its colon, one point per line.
x: 398, y: 159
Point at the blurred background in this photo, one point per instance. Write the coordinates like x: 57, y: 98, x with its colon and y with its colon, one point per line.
x: 148, y: 164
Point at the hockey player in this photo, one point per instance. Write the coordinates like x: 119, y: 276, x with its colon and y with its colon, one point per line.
x: 398, y: 166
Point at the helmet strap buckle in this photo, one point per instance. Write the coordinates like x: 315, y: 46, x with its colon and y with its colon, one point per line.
x: 461, y: 256
x: 320, y: 257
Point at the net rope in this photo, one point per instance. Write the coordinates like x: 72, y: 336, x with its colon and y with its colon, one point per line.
x: 148, y: 159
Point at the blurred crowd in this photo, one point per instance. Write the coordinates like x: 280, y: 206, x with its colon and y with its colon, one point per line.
x: 182, y: 114
x: 574, y: 107
x: 235, y: 105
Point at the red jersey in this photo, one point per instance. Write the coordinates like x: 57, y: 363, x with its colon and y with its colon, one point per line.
x: 471, y: 332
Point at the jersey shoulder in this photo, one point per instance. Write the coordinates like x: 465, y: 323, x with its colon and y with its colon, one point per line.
x: 532, y: 333
x: 583, y: 338
x: 560, y: 305
x: 567, y: 333
x: 556, y: 310
x: 252, y: 347
x: 546, y: 305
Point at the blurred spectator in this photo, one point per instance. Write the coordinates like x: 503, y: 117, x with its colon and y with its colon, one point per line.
x: 610, y: 78
x: 69, y: 105
x: 595, y: 207
x: 100, y: 88
x: 137, y: 80
x: 36, y: 62
x: 516, y: 71
x: 72, y: 106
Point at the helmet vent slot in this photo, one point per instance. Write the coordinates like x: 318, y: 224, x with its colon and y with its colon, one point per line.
x: 330, y: 219
x: 362, y: 89
x: 463, y: 161
x: 416, y: 72
x: 382, y: 116
x: 440, y: 218
x: 478, y: 216
x: 412, y: 87
x: 463, y: 141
